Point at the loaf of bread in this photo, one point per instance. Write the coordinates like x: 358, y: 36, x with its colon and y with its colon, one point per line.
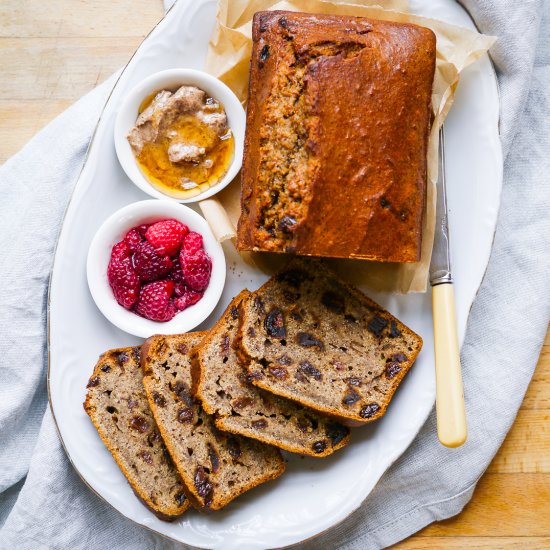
x: 344, y: 354
x: 118, y: 408
x: 221, y: 384
x: 336, y: 138
x: 215, y: 467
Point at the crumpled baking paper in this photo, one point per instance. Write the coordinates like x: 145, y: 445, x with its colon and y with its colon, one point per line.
x: 228, y: 59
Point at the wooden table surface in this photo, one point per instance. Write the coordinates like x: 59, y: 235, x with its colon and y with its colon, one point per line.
x: 52, y: 53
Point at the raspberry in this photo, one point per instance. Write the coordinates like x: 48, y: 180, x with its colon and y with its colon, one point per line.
x: 154, y: 301
x: 166, y: 236
x: 120, y: 252
x: 189, y: 298
x: 142, y: 229
x: 133, y: 239
x: 179, y: 289
x: 149, y: 265
x: 192, y: 242
x: 176, y: 275
x: 196, y: 269
x: 121, y: 276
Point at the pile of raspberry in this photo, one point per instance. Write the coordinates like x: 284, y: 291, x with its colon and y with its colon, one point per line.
x: 159, y: 269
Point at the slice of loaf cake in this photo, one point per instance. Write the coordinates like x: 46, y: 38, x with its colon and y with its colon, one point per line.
x: 118, y: 408
x: 239, y: 407
x: 215, y: 467
x: 344, y: 354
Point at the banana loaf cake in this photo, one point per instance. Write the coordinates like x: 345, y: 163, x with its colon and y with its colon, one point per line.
x: 336, y: 137
x: 221, y: 384
x: 117, y: 405
x: 346, y: 354
x: 215, y: 467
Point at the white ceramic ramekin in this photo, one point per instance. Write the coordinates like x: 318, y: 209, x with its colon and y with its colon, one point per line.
x: 170, y: 80
x: 113, y: 230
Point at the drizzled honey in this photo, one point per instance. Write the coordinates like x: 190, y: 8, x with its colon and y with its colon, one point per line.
x: 186, y: 179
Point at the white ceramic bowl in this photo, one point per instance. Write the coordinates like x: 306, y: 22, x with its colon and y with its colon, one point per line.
x: 113, y: 230
x: 171, y: 79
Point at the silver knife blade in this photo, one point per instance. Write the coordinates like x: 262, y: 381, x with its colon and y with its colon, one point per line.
x: 440, y: 266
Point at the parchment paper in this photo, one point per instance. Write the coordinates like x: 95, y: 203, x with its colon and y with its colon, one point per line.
x: 228, y: 59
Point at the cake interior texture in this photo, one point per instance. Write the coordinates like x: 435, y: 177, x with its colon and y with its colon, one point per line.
x: 344, y: 354
x: 224, y: 388
x: 216, y: 467
x: 118, y: 407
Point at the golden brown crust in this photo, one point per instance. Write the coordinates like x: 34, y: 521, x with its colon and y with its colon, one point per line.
x: 145, y: 352
x: 153, y: 346
x: 349, y: 419
x: 170, y: 514
x: 158, y: 514
x: 363, y: 191
x: 286, y: 447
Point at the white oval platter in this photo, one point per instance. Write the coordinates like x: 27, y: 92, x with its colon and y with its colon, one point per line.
x: 312, y: 495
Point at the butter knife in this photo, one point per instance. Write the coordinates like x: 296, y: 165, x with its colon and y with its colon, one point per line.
x: 451, y: 414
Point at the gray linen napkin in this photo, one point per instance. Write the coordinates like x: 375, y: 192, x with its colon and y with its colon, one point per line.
x: 43, y: 503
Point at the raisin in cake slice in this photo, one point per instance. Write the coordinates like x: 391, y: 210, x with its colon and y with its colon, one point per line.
x: 215, y: 467
x: 118, y: 407
x: 346, y: 354
x: 221, y: 384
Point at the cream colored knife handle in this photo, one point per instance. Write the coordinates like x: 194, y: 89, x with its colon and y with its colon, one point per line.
x: 451, y: 415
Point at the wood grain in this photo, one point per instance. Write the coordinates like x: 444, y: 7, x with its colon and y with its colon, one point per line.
x: 512, y: 505
x: 526, y: 449
x: 484, y: 543
x: 538, y: 393
x: 51, y: 53
x: 37, y: 68
x: 78, y: 18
